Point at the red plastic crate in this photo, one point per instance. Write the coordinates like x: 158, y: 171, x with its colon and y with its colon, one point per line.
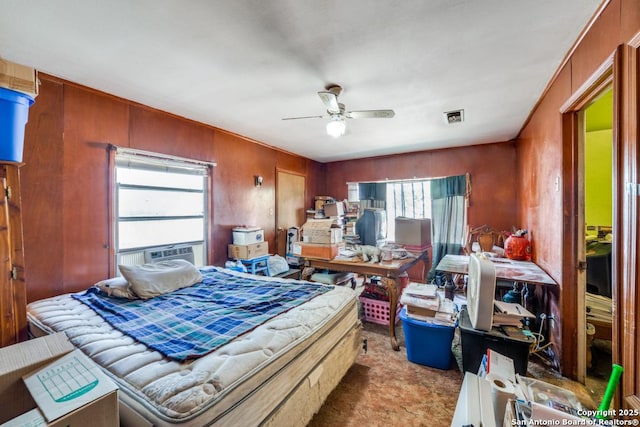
x: 377, y: 311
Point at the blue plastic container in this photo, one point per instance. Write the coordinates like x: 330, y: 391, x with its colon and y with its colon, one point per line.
x: 14, y: 113
x: 427, y: 344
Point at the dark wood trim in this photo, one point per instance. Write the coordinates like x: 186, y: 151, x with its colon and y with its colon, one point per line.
x: 598, y: 82
x: 571, y: 293
x: 569, y: 296
x: 625, y: 252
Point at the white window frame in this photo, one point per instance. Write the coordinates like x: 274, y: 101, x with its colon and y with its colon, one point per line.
x: 143, y: 160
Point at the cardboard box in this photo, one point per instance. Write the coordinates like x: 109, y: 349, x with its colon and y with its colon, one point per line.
x: 315, y: 250
x: 334, y: 209
x: 251, y: 251
x: 247, y: 235
x: 321, y: 231
x: 414, y: 232
x: 47, y: 359
x: 19, y: 78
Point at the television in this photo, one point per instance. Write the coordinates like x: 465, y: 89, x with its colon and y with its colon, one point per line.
x: 481, y: 289
x: 371, y: 227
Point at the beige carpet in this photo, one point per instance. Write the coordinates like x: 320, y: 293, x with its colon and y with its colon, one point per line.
x: 384, y: 389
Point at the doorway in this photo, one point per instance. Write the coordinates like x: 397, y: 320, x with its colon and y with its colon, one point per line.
x: 597, y: 222
x: 290, y: 201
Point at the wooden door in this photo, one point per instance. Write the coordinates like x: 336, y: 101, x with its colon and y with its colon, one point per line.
x: 290, y: 209
x: 13, y: 299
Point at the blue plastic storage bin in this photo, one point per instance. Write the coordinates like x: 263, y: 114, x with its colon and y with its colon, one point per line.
x: 14, y: 113
x: 427, y: 343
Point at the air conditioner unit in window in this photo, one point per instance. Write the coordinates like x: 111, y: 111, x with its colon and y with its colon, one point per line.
x: 169, y: 252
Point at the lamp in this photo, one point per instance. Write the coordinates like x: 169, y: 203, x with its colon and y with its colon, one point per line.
x: 336, y: 126
x: 258, y: 180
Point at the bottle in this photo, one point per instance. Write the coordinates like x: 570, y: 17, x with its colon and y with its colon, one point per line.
x: 449, y: 288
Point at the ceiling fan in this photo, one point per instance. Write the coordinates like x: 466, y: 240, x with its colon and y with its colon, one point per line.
x: 337, y: 114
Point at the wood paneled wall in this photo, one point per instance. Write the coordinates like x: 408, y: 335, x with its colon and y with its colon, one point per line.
x: 66, y: 189
x: 492, y: 168
x: 540, y: 158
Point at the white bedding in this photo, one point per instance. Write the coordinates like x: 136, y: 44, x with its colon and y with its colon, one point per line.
x: 205, y: 390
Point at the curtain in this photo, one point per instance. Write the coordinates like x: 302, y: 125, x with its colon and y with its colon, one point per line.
x: 448, y: 217
x: 372, y: 190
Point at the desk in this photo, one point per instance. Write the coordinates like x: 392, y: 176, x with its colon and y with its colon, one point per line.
x: 525, y: 272
x: 506, y: 269
x: 388, y: 271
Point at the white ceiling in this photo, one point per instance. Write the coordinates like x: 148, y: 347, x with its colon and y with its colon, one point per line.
x: 243, y: 65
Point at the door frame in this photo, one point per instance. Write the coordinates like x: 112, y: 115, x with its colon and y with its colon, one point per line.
x: 279, y: 234
x: 573, y: 279
x: 621, y: 71
x: 628, y: 316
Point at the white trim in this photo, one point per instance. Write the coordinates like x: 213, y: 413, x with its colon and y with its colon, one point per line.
x: 161, y: 157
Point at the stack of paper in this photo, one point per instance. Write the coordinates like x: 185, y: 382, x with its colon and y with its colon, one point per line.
x: 423, y: 302
x: 509, y: 314
x: 599, y: 307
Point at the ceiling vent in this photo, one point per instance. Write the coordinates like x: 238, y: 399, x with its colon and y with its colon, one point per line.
x: 456, y: 116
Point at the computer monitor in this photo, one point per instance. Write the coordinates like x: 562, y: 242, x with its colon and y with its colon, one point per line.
x: 371, y: 227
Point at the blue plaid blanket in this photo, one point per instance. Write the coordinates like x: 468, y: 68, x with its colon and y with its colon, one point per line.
x: 196, y: 320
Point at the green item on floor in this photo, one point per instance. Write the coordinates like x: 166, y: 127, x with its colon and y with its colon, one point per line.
x: 610, y: 391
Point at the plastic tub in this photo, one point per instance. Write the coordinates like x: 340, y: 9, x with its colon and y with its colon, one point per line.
x: 427, y: 343
x: 475, y: 344
x: 14, y: 113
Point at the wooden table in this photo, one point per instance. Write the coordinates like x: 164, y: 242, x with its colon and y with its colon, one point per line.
x: 506, y: 269
x: 518, y: 272
x: 389, y: 271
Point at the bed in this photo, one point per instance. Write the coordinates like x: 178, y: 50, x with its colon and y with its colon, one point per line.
x: 277, y: 373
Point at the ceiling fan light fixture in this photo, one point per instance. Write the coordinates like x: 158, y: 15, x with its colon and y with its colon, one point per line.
x: 336, y: 126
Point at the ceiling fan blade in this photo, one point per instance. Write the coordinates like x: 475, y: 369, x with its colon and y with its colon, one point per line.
x: 330, y: 101
x: 305, y: 117
x: 371, y: 114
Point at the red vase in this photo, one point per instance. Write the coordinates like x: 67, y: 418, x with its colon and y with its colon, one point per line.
x: 517, y: 248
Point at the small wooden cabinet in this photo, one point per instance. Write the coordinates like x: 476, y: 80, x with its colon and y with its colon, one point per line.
x: 13, y: 295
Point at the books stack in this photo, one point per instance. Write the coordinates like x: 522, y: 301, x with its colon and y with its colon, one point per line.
x: 423, y: 302
x: 509, y: 314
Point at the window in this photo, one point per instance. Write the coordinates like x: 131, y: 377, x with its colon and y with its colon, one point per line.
x: 159, y: 202
x: 409, y: 198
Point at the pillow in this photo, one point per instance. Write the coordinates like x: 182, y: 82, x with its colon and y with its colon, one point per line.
x: 152, y: 280
x: 116, y: 287
x: 277, y: 265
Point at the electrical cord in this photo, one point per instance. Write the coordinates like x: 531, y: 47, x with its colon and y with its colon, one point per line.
x: 536, y: 346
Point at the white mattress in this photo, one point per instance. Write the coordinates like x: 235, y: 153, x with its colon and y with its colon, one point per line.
x: 207, y: 390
